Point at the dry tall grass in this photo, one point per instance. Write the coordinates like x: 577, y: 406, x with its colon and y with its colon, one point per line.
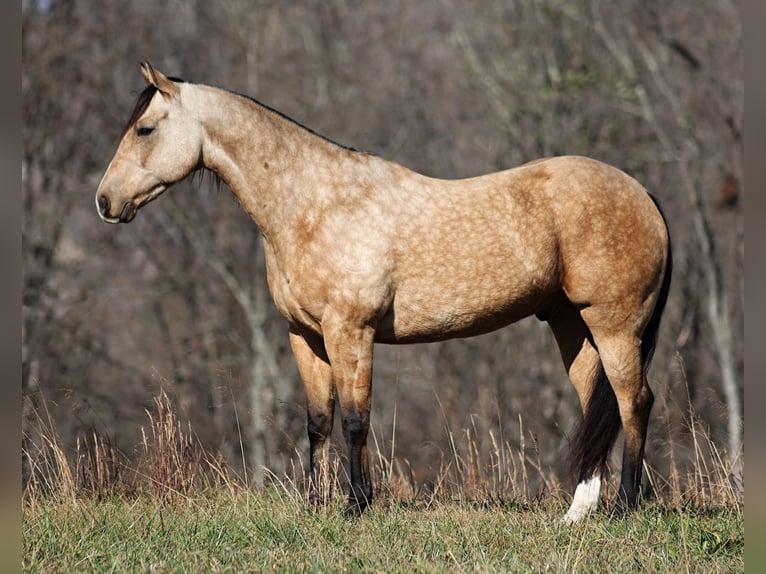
x: 172, y: 463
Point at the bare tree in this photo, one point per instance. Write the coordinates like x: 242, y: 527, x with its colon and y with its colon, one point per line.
x: 178, y: 300
x: 629, y: 47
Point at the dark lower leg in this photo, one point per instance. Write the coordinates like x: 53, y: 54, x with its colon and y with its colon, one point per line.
x: 633, y: 453
x: 320, y: 484
x: 355, y: 428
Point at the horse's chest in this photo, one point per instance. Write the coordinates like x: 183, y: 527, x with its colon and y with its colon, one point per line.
x: 296, y: 306
x: 354, y: 283
x: 296, y: 297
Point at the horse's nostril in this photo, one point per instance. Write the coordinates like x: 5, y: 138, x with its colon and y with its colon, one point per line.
x: 103, y: 204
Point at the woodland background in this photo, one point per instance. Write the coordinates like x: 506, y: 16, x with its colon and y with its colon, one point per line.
x: 177, y: 300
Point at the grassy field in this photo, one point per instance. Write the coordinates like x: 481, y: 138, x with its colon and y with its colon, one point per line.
x: 271, y: 531
x: 178, y: 510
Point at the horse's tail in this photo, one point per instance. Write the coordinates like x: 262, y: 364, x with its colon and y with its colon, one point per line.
x: 597, y: 431
x: 649, y: 339
x: 600, y: 425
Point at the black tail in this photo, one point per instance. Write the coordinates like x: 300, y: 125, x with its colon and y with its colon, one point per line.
x: 649, y: 339
x: 599, y: 427
x: 597, y: 431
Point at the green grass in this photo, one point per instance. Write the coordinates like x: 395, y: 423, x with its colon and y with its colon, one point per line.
x: 271, y: 531
x: 178, y: 509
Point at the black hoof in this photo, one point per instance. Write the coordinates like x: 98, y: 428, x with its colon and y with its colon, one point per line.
x: 356, y: 507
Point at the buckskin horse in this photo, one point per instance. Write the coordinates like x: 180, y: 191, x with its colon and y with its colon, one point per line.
x: 360, y: 250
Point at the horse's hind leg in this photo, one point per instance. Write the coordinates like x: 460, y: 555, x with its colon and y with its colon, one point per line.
x: 621, y: 357
x: 576, y: 346
x: 581, y: 361
x: 317, y: 378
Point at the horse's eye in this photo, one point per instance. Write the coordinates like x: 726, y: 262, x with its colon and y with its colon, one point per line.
x: 144, y: 131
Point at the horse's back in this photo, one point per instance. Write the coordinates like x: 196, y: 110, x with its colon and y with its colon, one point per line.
x: 476, y: 254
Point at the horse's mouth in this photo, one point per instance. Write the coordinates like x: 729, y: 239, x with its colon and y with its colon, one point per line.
x: 130, y: 207
x: 126, y: 215
x: 108, y: 219
x: 128, y: 212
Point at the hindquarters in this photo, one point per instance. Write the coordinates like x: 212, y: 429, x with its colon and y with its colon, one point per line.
x: 617, y: 287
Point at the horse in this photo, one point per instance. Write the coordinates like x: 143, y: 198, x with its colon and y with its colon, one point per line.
x: 360, y: 250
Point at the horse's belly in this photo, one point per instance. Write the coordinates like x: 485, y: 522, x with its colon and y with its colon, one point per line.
x: 439, y: 318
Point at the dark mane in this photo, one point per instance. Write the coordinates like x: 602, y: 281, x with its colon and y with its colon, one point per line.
x: 292, y: 121
x: 142, y: 102
x: 145, y: 97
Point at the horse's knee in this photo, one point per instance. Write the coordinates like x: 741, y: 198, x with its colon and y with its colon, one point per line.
x: 319, y: 425
x: 356, y: 424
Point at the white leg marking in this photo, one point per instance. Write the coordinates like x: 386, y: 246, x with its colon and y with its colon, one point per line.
x: 585, y: 500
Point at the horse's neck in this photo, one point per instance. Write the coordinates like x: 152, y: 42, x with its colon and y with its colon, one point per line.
x: 279, y: 171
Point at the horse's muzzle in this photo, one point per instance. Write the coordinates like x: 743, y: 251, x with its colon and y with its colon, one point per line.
x: 127, y: 213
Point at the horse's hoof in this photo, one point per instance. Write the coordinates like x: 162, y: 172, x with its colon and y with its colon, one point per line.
x: 355, y: 508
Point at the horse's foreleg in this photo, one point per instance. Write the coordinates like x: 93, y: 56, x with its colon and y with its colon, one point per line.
x: 316, y: 374
x: 349, y: 348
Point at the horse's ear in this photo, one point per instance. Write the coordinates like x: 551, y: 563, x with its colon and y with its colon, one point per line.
x: 158, y: 79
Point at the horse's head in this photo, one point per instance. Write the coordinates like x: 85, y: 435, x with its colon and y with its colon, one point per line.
x: 161, y: 145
